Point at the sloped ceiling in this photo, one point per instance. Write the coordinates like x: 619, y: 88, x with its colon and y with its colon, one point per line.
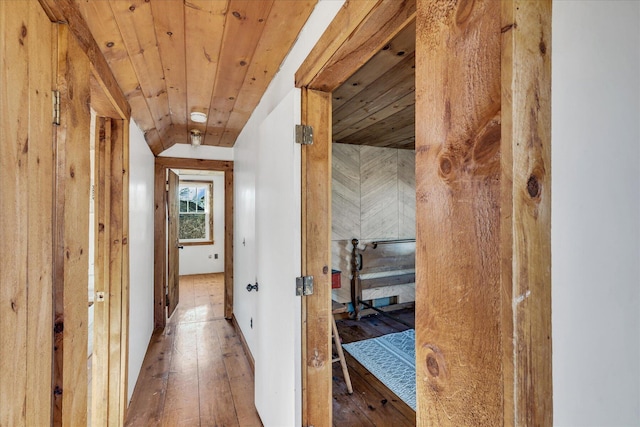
x: 174, y: 57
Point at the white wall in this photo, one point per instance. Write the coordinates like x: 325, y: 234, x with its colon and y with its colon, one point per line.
x: 201, y: 259
x: 141, y: 204
x: 596, y: 213
x: 247, y: 163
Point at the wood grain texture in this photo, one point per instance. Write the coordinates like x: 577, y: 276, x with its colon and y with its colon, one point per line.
x: 526, y: 211
x: 72, y: 233
x: 228, y: 243
x: 67, y: 11
x: 345, y: 192
x: 406, y: 194
x: 159, y: 247
x: 101, y: 312
x: 316, y: 253
x: 366, y: 196
x: 123, y: 398
x: 357, y: 33
x: 26, y: 183
x: 195, y: 371
x: 379, y: 193
x: 458, y: 312
x: 173, y: 257
x: 242, y: 32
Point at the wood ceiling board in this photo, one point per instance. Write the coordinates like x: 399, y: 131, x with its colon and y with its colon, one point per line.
x: 383, y: 24
x: 135, y: 21
x: 281, y: 30
x: 168, y: 16
x: 389, y: 88
x: 204, y: 27
x: 400, y: 124
x: 390, y: 55
x: 357, y: 121
x: 243, y: 28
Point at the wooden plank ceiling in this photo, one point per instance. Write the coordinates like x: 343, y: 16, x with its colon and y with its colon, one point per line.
x: 175, y: 57
x: 376, y: 106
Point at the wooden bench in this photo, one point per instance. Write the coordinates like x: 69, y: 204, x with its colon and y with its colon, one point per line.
x: 380, y: 264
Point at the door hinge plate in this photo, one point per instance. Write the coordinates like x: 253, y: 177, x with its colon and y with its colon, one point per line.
x: 304, y: 285
x: 56, y: 107
x: 304, y: 134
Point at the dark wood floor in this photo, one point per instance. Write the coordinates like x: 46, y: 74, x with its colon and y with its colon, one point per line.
x: 372, y: 403
x: 195, y: 372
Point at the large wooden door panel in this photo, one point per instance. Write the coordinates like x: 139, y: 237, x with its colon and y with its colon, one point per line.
x: 173, y: 283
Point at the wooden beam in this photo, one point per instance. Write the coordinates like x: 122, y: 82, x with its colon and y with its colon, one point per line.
x: 355, y: 35
x: 316, y: 259
x: 124, y: 310
x: 66, y: 11
x: 526, y: 211
x: 71, y: 246
x: 198, y: 164
x: 459, y: 337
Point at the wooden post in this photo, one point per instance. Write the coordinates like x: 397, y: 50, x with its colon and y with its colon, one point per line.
x: 71, y: 247
x: 316, y: 256
x: 526, y: 211
x: 458, y: 294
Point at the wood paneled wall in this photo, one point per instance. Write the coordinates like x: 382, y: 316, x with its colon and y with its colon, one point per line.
x: 373, y: 193
x: 26, y: 203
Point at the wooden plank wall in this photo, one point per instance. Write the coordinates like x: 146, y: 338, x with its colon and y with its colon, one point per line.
x: 26, y: 203
x: 373, y: 193
x: 72, y: 233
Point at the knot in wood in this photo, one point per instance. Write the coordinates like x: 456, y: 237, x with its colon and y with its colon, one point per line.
x: 533, y: 187
x: 432, y: 365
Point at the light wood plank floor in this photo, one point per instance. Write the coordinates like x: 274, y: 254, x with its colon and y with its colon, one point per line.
x: 195, y: 372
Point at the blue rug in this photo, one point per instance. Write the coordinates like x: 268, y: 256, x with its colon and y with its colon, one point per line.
x: 392, y: 359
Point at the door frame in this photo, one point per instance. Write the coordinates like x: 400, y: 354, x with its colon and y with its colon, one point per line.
x: 524, y: 389
x: 160, y: 233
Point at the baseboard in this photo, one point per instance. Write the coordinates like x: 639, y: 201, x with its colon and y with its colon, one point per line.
x: 245, y: 347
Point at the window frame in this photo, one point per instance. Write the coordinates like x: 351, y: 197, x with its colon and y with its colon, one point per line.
x: 209, y: 240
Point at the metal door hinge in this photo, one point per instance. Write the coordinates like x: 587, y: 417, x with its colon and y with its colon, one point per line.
x: 304, y: 285
x: 304, y: 134
x: 56, y: 107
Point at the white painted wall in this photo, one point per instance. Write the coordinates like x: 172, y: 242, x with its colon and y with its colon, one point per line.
x: 596, y: 213
x: 246, y: 165
x: 141, y: 177
x: 205, y: 152
x: 201, y: 259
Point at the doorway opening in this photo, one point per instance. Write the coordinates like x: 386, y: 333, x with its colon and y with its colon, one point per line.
x: 373, y: 223
x: 167, y: 259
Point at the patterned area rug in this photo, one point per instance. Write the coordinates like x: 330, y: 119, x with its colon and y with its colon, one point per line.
x: 392, y: 359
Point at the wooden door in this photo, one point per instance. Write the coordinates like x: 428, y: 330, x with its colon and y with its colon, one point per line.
x: 277, y: 322
x: 173, y: 266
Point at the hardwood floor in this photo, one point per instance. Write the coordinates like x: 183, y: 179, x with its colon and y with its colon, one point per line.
x: 195, y: 372
x: 372, y: 403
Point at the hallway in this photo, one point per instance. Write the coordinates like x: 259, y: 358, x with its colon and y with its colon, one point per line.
x: 195, y: 372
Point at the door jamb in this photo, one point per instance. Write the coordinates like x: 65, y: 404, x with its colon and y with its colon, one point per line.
x: 160, y: 218
x: 336, y: 56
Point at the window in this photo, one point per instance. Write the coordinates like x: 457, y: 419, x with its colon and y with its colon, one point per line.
x: 196, y: 212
